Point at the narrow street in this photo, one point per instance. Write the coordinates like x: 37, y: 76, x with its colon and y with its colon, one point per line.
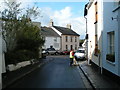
x: 55, y: 74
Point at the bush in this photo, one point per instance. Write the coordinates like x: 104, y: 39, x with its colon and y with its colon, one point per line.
x: 19, y: 56
x: 110, y: 57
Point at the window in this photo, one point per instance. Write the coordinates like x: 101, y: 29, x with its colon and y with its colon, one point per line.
x: 71, y: 38
x: 71, y: 47
x: 75, y: 47
x: 55, y: 39
x: 66, y: 47
x: 111, y: 47
x: 111, y: 43
x: 66, y: 38
x: 96, y: 46
x: 75, y: 39
x: 96, y: 12
x: 96, y: 39
x: 56, y: 45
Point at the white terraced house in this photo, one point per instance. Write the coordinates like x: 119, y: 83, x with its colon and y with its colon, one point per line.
x: 103, y: 29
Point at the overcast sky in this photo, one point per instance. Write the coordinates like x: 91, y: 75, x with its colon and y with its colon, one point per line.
x: 62, y: 13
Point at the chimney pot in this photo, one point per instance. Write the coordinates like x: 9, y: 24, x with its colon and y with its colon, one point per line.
x: 69, y: 26
x: 51, y: 23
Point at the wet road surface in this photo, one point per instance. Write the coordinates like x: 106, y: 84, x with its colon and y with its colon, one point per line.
x: 55, y: 74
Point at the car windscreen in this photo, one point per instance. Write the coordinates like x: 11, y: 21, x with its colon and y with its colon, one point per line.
x: 80, y: 51
x: 50, y: 49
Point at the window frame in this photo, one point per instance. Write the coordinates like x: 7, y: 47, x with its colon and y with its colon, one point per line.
x: 66, y: 38
x: 71, y: 39
x: 110, y: 56
x: 66, y: 47
x: 75, y: 39
x: 111, y: 42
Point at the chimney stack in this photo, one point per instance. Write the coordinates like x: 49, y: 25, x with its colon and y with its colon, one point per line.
x: 37, y: 24
x: 51, y: 23
x: 69, y: 26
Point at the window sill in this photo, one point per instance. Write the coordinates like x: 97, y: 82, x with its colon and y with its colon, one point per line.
x: 116, y: 8
x: 96, y: 55
x: 112, y: 63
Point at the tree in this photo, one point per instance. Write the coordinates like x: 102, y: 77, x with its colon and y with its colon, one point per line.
x: 18, y: 31
x: 10, y: 24
x: 81, y: 42
x: 14, y: 22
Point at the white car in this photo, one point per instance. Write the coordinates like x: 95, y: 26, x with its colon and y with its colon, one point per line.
x: 80, y: 54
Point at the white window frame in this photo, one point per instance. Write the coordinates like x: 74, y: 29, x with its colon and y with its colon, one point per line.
x: 111, y: 42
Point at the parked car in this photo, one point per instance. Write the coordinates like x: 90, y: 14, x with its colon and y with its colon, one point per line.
x: 65, y: 52
x: 80, y: 54
x: 51, y: 51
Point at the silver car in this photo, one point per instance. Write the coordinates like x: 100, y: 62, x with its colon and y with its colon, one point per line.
x: 52, y: 51
x: 80, y: 54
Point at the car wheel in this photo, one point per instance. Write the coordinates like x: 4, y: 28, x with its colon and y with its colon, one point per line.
x: 47, y: 53
x: 56, y: 53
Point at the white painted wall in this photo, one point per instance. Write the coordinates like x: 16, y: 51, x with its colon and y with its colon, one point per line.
x: 0, y: 58
x: 50, y: 41
x: 119, y: 41
x: 100, y: 29
x: 110, y: 25
x: 91, y: 32
x: 105, y: 24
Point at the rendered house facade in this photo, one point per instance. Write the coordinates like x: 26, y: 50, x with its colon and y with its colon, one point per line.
x: 69, y: 38
x: 60, y: 38
x: 103, y: 30
x: 52, y: 39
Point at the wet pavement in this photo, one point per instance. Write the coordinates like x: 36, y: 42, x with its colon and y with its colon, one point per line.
x: 98, y: 80
x: 55, y: 74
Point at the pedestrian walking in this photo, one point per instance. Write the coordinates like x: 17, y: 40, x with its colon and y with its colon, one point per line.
x: 75, y: 62
x: 71, y: 57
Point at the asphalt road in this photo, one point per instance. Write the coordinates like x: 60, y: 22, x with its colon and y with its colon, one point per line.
x: 55, y: 74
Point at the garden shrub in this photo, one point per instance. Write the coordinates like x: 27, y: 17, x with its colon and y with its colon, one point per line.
x: 19, y: 56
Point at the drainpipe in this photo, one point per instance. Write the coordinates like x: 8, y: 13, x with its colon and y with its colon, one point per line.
x: 102, y: 25
x: 101, y: 53
x: 87, y: 43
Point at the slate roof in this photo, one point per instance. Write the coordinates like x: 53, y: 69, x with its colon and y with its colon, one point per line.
x: 47, y: 31
x: 66, y: 31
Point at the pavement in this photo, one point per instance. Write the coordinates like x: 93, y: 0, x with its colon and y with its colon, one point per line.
x: 14, y: 76
x: 96, y: 79
x: 92, y: 73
